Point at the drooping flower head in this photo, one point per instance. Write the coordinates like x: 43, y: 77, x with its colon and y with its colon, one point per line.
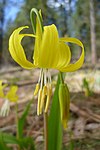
x: 50, y: 51
x: 10, y: 96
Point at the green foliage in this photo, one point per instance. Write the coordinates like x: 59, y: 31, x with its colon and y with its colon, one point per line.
x: 3, y: 146
x: 54, y: 125
x: 23, y: 142
x: 26, y: 143
x: 79, y: 24
x: 84, y: 144
x: 86, y: 87
x: 21, y: 120
x: 8, y: 138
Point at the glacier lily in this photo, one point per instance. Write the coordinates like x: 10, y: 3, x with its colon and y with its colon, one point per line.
x: 50, y: 51
x: 8, y: 98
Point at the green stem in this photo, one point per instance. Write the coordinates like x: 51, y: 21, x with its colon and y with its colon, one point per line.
x: 61, y: 77
x: 45, y: 131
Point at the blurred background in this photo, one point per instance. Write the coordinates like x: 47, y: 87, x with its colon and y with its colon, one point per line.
x: 73, y: 18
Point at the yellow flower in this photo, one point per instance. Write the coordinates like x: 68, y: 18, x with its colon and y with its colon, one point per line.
x: 50, y: 51
x: 9, y: 97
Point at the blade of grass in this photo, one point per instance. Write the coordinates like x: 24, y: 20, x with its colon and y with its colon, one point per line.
x: 8, y: 138
x: 27, y: 143
x: 21, y: 120
x: 3, y: 146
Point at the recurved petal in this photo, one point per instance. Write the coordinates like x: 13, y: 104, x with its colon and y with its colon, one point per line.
x: 49, y: 47
x: 64, y: 55
x: 16, y: 49
x: 37, y: 40
x: 79, y: 63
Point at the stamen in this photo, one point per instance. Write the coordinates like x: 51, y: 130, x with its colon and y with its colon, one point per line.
x: 40, y: 75
x: 44, y: 93
x: 49, y: 77
x: 36, y: 89
x: 45, y: 76
x: 49, y: 92
x: 39, y: 101
x: 41, y: 84
x: 38, y: 84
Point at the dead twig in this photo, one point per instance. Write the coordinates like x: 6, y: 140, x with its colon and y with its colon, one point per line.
x: 87, y: 114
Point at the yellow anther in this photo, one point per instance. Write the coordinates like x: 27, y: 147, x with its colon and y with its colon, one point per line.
x: 45, y: 89
x: 36, y: 89
x: 39, y: 101
x: 50, y: 88
x: 44, y: 93
x: 49, y: 92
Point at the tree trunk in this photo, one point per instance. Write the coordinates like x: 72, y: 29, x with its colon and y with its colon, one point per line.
x: 93, y: 34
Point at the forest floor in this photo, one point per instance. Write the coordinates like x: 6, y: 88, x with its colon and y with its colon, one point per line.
x: 83, y: 131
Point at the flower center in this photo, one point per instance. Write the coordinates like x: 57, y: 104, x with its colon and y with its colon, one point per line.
x: 44, y: 91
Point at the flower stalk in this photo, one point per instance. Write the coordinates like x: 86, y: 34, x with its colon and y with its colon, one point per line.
x: 45, y: 131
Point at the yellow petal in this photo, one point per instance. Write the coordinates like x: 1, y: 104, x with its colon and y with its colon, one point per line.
x: 79, y: 63
x: 16, y: 49
x: 11, y: 95
x: 49, y: 46
x: 1, y: 89
x: 37, y: 41
x: 64, y: 56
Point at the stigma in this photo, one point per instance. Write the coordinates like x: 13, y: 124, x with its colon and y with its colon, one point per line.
x: 44, y: 91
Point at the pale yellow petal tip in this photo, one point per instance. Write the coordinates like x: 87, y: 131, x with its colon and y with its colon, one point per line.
x: 24, y: 27
x: 36, y: 89
x: 21, y: 28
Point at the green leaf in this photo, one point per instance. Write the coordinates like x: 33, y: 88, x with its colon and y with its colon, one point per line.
x: 8, y: 138
x: 3, y: 146
x: 21, y: 121
x: 24, y: 143
x: 27, y: 143
x: 54, y: 123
